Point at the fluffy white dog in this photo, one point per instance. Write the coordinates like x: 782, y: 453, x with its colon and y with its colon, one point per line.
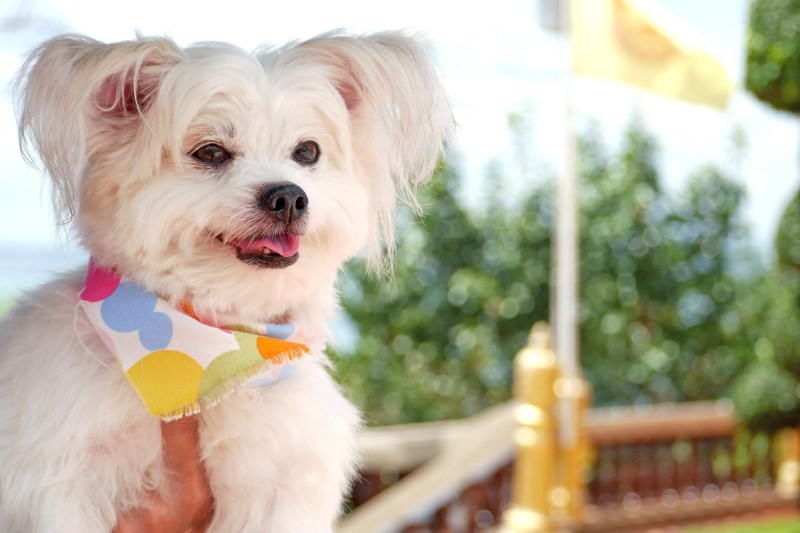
x: 237, y: 183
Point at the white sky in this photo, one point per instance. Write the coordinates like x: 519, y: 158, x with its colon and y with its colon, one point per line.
x: 493, y: 56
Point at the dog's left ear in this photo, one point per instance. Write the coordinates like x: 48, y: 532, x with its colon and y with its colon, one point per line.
x: 399, y: 113
x: 74, y: 93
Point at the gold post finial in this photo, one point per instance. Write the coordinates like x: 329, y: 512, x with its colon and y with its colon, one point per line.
x: 539, y: 337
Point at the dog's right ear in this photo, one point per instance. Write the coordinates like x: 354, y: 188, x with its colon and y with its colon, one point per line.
x: 399, y: 115
x: 73, y: 91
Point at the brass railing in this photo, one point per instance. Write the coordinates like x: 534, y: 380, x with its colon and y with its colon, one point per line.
x: 626, y: 467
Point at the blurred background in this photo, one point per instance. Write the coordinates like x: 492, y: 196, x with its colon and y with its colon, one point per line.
x: 689, y: 217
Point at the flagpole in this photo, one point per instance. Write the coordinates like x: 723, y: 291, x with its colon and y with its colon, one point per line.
x: 549, y: 471
x: 567, y: 255
x: 571, y: 390
x: 564, y: 282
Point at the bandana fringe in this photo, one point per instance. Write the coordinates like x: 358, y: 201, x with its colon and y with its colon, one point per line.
x: 229, y: 386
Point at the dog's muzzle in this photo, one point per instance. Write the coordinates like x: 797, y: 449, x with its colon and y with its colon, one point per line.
x: 284, y: 207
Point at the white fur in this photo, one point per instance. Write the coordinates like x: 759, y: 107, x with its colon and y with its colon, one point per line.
x: 115, y: 126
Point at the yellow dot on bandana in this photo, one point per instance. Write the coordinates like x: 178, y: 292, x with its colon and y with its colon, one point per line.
x: 166, y: 380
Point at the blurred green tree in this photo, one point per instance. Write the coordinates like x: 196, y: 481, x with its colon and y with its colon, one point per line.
x: 767, y: 395
x: 659, y: 276
x: 658, y: 279
x: 773, y: 53
x: 436, y: 341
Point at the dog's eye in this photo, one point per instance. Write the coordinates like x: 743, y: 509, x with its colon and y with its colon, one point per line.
x: 211, y: 153
x: 306, y: 153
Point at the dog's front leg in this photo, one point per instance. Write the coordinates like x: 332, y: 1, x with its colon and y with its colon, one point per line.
x: 279, y: 458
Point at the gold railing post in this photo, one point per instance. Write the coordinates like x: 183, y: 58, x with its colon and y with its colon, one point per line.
x: 535, y: 374
x: 569, y: 497
x: 787, y: 484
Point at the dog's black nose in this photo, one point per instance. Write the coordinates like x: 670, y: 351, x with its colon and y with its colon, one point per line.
x: 285, y: 201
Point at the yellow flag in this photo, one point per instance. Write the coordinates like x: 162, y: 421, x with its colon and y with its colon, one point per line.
x: 635, y: 42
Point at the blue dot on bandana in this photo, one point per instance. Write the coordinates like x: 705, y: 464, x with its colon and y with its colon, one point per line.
x: 128, y: 308
x: 131, y: 309
x: 157, y: 332
x: 280, y: 331
x: 287, y: 370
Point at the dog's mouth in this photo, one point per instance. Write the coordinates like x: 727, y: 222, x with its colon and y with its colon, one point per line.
x: 266, y: 251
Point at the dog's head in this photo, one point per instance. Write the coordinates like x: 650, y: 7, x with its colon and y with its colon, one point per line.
x: 239, y: 181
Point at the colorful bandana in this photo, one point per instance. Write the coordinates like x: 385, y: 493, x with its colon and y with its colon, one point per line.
x: 177, y: 363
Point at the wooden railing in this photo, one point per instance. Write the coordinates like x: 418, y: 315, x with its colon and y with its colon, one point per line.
x: 665, y: 463
x: 677, y: 463
x: 643, y: 466
x: 456, y: 471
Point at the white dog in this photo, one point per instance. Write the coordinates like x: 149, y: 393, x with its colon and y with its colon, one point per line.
x: 236, y: 183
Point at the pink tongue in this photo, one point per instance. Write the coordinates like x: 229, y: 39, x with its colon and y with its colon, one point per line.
x: 284, y: 244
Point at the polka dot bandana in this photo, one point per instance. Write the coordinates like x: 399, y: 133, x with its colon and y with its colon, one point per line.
x: 177, y: 363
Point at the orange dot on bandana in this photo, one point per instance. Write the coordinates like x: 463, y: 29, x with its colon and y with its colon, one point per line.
x: 274, y: 348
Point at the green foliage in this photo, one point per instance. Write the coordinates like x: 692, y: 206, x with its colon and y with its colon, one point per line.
x: 774, y: 525
x: 773, y: 53
x: 436, y: 342
x: 766, y: 397
x: 5, y: 305
x: 783, y: 315
x: 787, y: 239
x: 661, y: 318
x: 658, y: 309
x: 768, y: 393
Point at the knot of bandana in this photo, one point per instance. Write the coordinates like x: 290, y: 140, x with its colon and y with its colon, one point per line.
x: 177, y: 363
